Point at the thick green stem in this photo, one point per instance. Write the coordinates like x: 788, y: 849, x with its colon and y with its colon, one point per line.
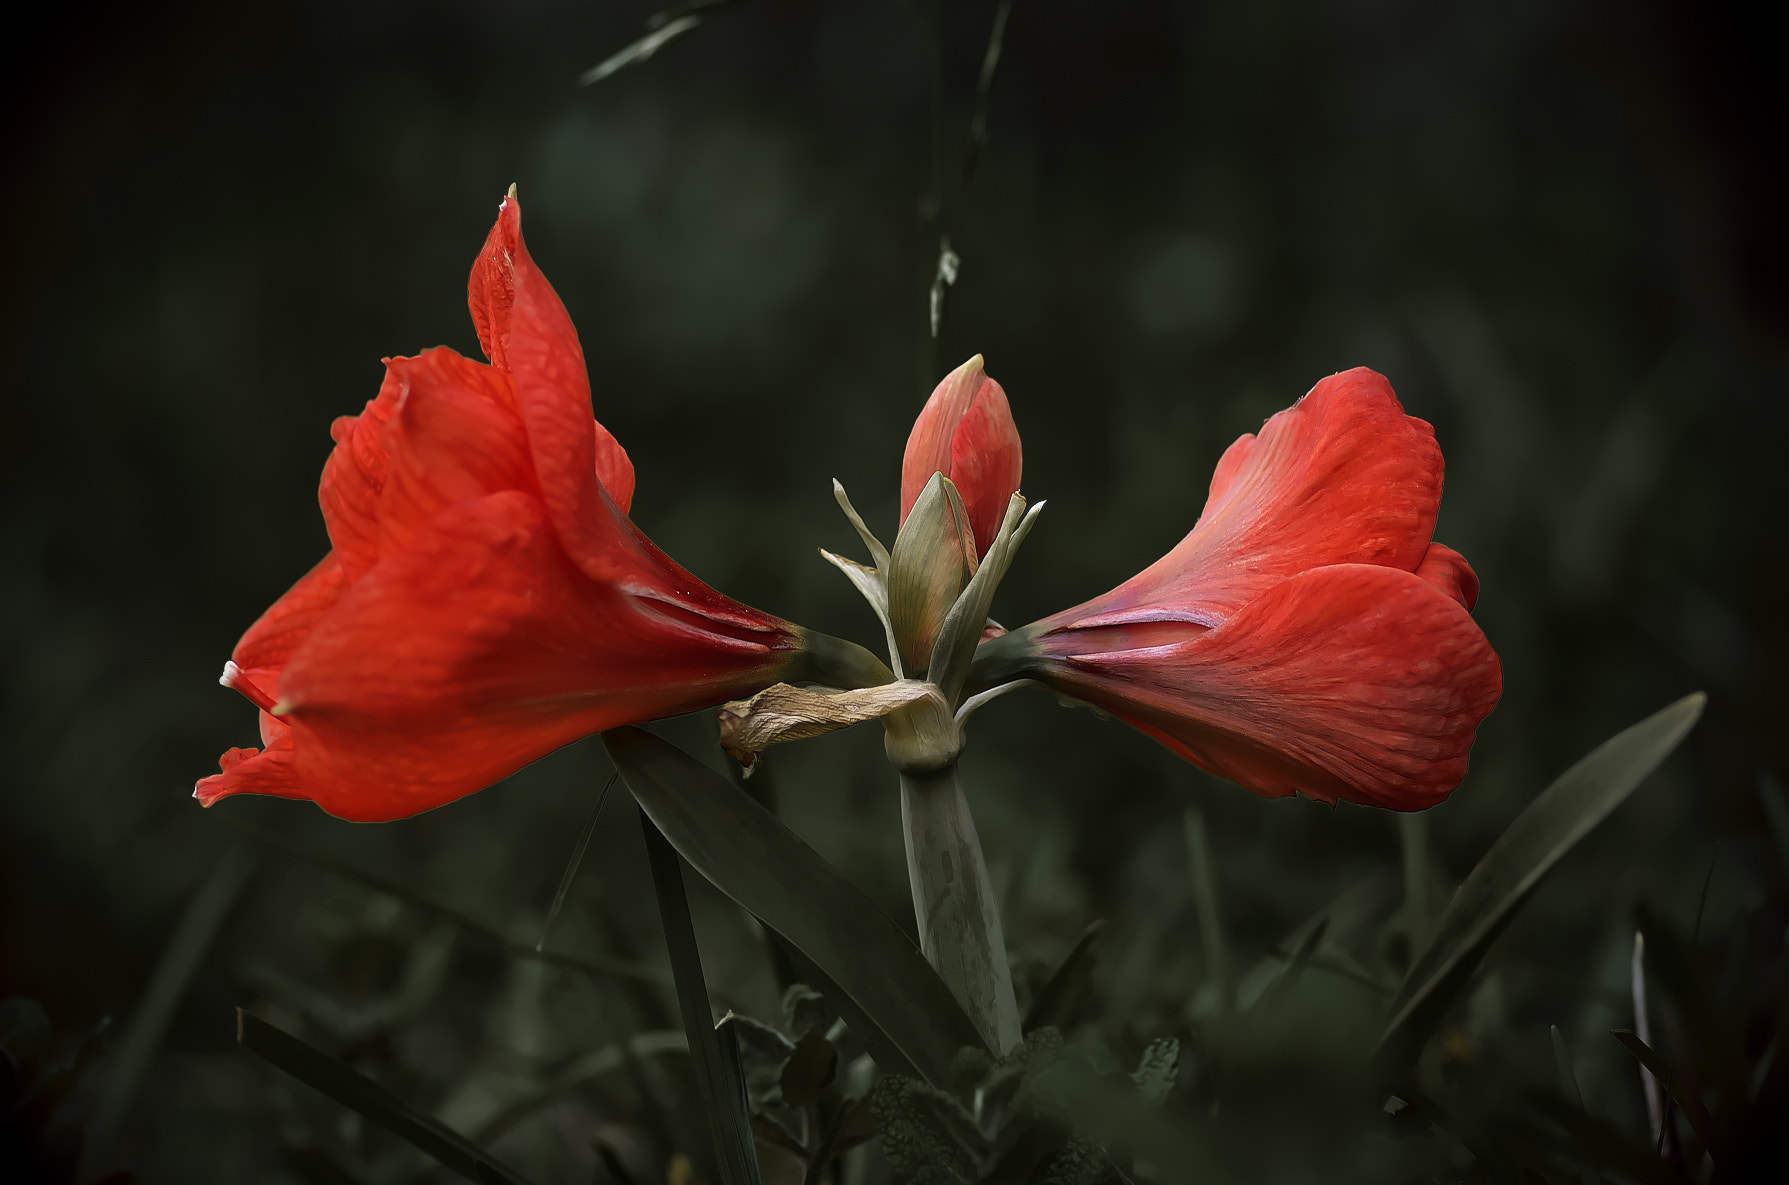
x: 953, y: 901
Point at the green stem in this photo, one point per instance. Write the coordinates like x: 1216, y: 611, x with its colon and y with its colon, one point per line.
x: 953, y: 902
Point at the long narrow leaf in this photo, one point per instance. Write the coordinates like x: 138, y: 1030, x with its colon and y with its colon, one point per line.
x: 1543, y: 833
x: 1057, y: 1002
x: 357, y: 1092
x: 733, y: 1150
x: 598, y: 967
x: 881, y: 985
x: 581, y: 1072
x: 1688, y: 1101
x: 179, y: 961
x: 571, y: 866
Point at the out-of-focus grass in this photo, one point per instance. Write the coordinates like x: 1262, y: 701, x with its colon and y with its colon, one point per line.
x: 1542, y: 223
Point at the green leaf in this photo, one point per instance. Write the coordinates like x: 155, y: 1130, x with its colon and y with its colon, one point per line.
x: 1276, y: 992
x: 580, y: 1073
x: 809, y: 1069
x: 571, y: 866
x: 1543, y: 833
x: 832, y: 1143
x: 1688, y: 1101
x: 1712, y: 1034
x: 881, y: 985
x: 715, y: 1055
x: 1211, y: 918
x: 179, y: 961
x: 598, y: 967
x: 1059, y: 1001
x: 357, y: 1092
x: 1562, y: 1062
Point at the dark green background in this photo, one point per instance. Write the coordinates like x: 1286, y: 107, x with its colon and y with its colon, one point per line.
x: 1556, y: 226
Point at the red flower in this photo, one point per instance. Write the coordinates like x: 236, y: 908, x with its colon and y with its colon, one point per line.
x: 1307, y: 636
x: 487, y: 599
x: 966, y: 432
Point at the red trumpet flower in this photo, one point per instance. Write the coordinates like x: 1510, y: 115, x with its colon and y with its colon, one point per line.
x: 1307, y: 636
x: 487, y: 600
x: 966, y: 432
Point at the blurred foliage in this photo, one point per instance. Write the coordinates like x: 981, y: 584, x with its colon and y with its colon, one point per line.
x: 1556, y: 226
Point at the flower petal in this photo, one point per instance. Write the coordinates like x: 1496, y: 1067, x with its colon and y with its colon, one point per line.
x: 354, y: 476
x: 526, y: 332
x: 966, y: 432
x: 1448, y: 571
x: 252, y: 771
x: 614, y: 468
x: 479, y: 648
x: 1343, y: 476
x: 456, y: 434
x: 1352, y: 681
x: 269, y: 642
x: 986, y: 462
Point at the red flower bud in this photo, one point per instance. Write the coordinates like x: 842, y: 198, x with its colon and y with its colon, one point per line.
x: 1307, y: 636
x: 966, y: 432
x: 487, y: 600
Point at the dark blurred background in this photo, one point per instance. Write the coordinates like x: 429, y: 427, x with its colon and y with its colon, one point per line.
x: 1557, y: 226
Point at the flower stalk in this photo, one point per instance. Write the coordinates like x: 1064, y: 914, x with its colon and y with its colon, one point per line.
x: 953, y: 901
x: 962, y: 520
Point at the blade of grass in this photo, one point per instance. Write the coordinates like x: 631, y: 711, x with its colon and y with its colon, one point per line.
x: 1295, y: 967
x: 1562, y: 1061
x: 984, y: 87
x: 735, y: 1156
x: 1503, y: 879
x: 726, y: 1039
x: 829, y: 1142
x: 1205, y: 900
x: 1568, y: 1086
x: 1059, y: 999
x: 1687, y: 1100
x: 199, y: 923
x: 1655, y: 1096
x: 598, y: 967
x: 584, y: 1070
x: 361, y: 1094
x: 663, y: 28
x: 837, y: 937
x: 1413, y: 843
x: 571, y: 865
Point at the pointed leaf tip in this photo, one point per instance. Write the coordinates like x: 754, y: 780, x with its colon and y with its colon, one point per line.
x: 887, y: 992
x: 1534, y: 842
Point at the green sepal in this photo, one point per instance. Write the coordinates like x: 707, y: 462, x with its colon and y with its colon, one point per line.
x: 934, y: 557
x: 954, y: 651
